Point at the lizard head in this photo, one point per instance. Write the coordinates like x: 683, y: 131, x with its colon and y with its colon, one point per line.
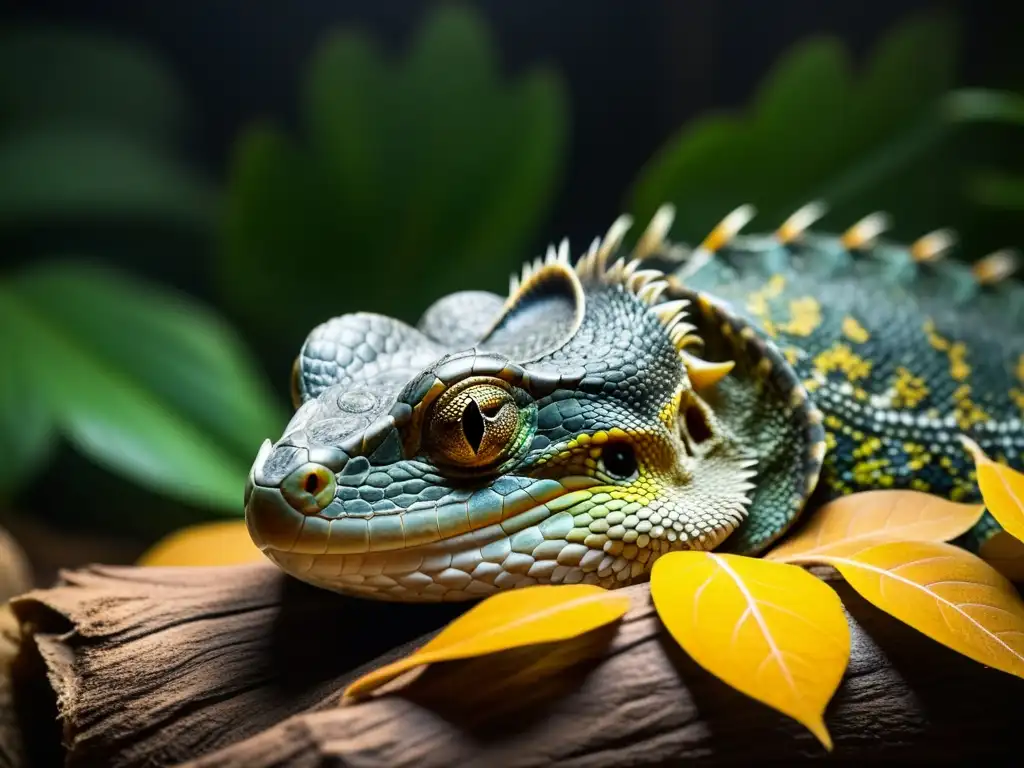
x: 600, y: 416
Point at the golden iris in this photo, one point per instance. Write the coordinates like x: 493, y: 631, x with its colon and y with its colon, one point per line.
x: 474, y: 424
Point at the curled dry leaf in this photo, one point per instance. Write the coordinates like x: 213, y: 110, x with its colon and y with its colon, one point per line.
x: 945, y: 592
x: 220, y: 543
x: 527, y: 616
x: 1002, y: 489
x: 847, y: 523
x: 770, y: 630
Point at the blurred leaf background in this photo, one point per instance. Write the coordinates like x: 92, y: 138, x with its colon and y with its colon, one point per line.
x: 134, y: 394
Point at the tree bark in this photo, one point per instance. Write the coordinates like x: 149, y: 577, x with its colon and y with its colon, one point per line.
x: 243, y: 666
x: 15, y: 575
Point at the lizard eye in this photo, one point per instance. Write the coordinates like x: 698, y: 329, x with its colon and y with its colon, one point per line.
x: 474, y: 425
x: 619, y: 460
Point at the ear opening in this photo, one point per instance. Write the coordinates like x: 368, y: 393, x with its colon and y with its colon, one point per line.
x: 763, y: 403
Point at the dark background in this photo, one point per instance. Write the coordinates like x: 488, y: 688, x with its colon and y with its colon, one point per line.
x: 635, y: 70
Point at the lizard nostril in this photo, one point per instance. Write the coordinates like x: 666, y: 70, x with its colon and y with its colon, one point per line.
x: 309, y: 489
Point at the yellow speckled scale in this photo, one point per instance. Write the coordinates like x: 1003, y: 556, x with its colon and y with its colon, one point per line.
x: 901, y: 352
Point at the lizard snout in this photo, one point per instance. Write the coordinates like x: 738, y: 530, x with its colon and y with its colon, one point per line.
x: 283, y: 490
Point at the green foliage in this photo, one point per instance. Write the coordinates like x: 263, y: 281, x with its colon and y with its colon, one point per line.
x: 417, y: 177
x: 95, y: 139
x: 66, y: 77
x: 26, y: 425
x: 145, y: 382
x: 975, y: 105
x: 859, y: 142
x: 57, y: 175
x: 995, y: 188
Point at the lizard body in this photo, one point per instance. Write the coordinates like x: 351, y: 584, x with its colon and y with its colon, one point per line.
x: 607, y: 412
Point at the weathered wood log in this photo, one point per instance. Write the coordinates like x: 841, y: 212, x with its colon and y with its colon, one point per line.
x: 15, y: 574
x: 12, y: 752
x: 243, y: 666
x: 15, y: 578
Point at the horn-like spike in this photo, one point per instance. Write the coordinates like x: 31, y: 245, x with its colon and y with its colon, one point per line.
x: 680, y: 324
x: 513, y: 284
x: 690, y: 340
x: 679, y: 335
x: 668, y: 310
x: 996, y: 266
x: 526, y: 273
x: 550, y: 256
x: 537, y: 264
x: 585, y: 266
x: 653, y: 238
x: 612, y: 240
x: 614, y: 273
x: 641, y: 278
x: 630, y: 268
x: 799, y: 221
x: 933, y: 245
x: 704, y: 374
x: 679, y: 332
x: 728, y: 228
x: 563, y: 251
x: 651, y: 293
x: 864, y: 232
x: 725, y: 231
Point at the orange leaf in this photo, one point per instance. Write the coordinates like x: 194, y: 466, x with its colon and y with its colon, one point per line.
x: 945, y: 592
x: 1002, y: 489
x: 770, y: 630
x: 512, y: 619
x: 221, y: 543
x: 848, y: 522
x: 1004, y: 553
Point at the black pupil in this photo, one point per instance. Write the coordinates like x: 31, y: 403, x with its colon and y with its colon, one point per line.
x: 619, y: 459
x: 312, y: 483
x: 473, y: 425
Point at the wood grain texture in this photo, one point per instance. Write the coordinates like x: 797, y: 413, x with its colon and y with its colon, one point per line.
x: 15, y: 575
x: 243, y: 666
x: 15, y: 578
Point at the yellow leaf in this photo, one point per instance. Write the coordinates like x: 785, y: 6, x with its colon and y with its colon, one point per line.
x: 221, y: 543
x: 1004, y: 553
x: 945, y: 592
x: 512, y: 619
x: 848, y: 522
x: 770, y: 630
x: 1002, y: 489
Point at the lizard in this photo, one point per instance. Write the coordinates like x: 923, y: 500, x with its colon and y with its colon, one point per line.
x: 626, y: 405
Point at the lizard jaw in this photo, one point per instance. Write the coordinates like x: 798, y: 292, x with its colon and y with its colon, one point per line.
x: 430, y: 552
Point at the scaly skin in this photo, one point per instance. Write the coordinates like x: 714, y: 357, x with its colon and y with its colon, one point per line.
x: 606, y: 413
